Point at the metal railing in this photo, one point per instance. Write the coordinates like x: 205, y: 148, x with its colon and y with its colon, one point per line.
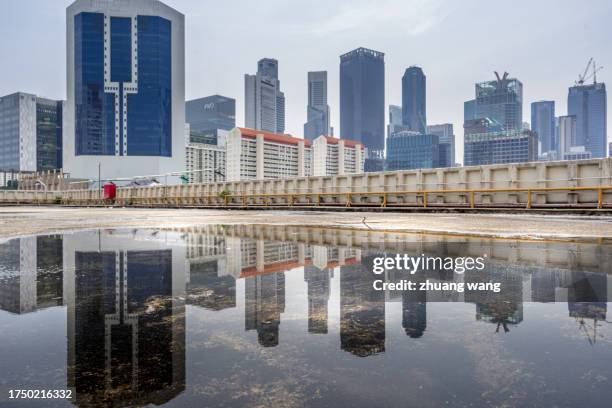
x: 434, y: 198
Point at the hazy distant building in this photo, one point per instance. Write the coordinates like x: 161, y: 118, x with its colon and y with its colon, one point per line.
x: 264, y: 103
x: 395, y: 120
x: 515, y: 146
x: 567, y: 134
x: 414, y: 100
x: 317, y: 110
x: 588, y: 104
x: 362, y: 99
x: 125, y: 105
x: 493, y: 124
x: 543, y: 124
x: 30, y: 133
x: 206, y: 115
x: 446, y: 138
x: 469, y: 110
x: 577, y: 153
x: 412, y: 150
x: 500, y: 100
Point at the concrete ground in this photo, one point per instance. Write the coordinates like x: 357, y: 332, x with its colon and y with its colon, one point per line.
x: 28, y: 220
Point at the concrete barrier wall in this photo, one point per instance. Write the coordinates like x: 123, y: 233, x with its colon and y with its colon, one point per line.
x: 29, y: 197
x: 513, y: 184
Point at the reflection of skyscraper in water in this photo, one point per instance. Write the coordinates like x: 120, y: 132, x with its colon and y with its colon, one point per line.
x: 264, y: 303
x: 318, y: 297
x: 126, y: 338
x: 210, y: 285
x: 503, y: 308
x: 587, y: 296
x: 31, y: 273
x: 414, y: 312
x: 362, y: 310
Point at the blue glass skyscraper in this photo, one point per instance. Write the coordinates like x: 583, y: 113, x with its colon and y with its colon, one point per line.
x: 588, y: 104
x: 414, y: 100
x: 543, y: 124
x: 362, y: 99
x: 125, y: 87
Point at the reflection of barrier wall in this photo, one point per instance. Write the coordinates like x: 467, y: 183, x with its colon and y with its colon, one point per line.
x: 528, y: 254
x: 581, y: 183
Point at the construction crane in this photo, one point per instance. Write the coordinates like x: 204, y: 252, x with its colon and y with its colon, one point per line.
x: 585, y: 75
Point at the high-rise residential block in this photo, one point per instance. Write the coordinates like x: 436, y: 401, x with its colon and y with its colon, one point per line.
x: 125, y: 108
x: 30, y: 133
x: 332, y: 156
x: 207, y: 115
x: 205, y: 162
x: 256, y: 155
x: 414, y: 116
x: 446, y: 138
x: 264, y: 103
x: 317, y: 110
x: 543, y: 124
x: 588, y: 104
x: 362, y: 99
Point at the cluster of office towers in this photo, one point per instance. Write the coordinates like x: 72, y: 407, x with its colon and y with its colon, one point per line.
x: 126, y: 112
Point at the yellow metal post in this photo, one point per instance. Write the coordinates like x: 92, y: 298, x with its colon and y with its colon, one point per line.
x: 528, y: 198
x: 600, y: 198
x: 424, y: 199
x: 472, y: 199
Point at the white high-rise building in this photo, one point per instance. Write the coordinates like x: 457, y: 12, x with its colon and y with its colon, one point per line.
x: 256, y: 155
x: 567, y: 134
x: 332, y: 156
x: 125, y: 109
x: 264, y: 103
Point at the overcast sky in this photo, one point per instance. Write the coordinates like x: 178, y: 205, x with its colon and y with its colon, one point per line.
x: 544, y: 43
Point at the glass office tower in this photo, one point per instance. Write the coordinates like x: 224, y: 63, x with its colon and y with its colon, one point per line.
x: 206, y: 115
x: 317, y: 109
x: 412, y: 150
x: 543, y: 124
x: 500, y: 100
x: 30, y: 133
x: 414, y: 100
x: 588, y: 104
x: 125, y: 106
x: 362, y: 99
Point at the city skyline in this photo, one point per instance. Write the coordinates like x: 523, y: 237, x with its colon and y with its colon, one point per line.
x: 536, y: 58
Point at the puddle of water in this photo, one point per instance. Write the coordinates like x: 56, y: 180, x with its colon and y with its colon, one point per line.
x: 287, y: 316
